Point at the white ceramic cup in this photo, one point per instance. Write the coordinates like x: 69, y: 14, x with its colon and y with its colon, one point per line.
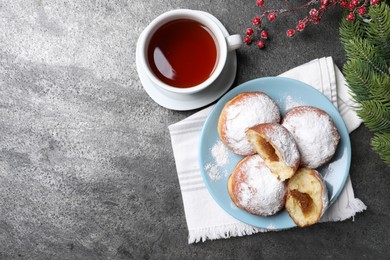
x: 223, y: 44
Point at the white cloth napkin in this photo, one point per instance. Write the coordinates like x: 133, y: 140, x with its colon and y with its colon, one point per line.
x: 205, y: 219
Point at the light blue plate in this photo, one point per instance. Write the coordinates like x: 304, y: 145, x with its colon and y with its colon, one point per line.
x: 286, y: 92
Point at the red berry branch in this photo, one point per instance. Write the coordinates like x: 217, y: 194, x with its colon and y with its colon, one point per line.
x: 318, y: 9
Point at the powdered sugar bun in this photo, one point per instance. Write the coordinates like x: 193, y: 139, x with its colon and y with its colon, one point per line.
x: 242, y: 112
x: 253, y: 187
x: 315, y: 133
x: 277, y: 147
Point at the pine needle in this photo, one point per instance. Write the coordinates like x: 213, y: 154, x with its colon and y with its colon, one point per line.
x: 378, y: 30
x: 352, y: 29
x: 375, y: 115
x: 380, y: 88
x: 365, y: 51
x: 380, y: 143
x: 359, y: 77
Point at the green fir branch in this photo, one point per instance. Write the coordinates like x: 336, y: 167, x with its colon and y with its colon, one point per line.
x: 359, y: 77
x: 375, y: 115
x: 380, y: 143
x: 380, y: 88
x: 362, y: 49
x: 367, y: 72
x: 352, y: 29
x: 378, y: 30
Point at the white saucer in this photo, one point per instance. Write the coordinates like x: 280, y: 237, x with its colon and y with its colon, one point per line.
x: 184, y: 102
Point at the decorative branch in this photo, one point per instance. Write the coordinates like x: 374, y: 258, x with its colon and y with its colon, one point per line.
x: 258, y: 34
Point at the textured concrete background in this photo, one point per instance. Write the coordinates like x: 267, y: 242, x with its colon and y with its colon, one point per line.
x: 86, y: 165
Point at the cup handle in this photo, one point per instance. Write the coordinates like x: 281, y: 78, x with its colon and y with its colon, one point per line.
x: 233, y: 42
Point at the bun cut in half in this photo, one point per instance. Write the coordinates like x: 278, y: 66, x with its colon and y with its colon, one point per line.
x: 307, y: 197
x: 277, y: 147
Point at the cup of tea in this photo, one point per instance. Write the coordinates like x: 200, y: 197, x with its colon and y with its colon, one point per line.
x: 184, y: 51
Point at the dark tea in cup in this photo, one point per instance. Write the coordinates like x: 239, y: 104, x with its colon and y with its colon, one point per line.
x: 183, y: 53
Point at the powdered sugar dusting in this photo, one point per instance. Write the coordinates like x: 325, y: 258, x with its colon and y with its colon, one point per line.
x: 284, y: 141
x: 261, y: 192
x: 271, y: 227
x: 290, y: 102
x: 220, y: 154
x: 252, y: 110
x: 216, y: 170
x: 313, y: 133
x: 328, y: 172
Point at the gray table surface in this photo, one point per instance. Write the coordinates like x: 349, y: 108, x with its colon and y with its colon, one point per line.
x: 86, y: 164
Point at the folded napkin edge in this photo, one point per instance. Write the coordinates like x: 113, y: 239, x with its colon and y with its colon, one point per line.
x: 223, y: 231
x: 241, y: 229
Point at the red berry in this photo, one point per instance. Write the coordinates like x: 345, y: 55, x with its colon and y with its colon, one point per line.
x: 264, y: 34
x: 351, y: 6
x: 355, y: 2
x: 351, y: 17
x: 315, y: 20
x: 361, y: 10
x: 256, y: 21
x: 344, y: 3
x: 324, y: 2
x: 271, y: 17
x: 260, y: 2
x: 374, y: 2
x: 249, y: 31
x: 290, y: 32
x: 247, y: 40
x: 260, y: 44
x: 313, y: 12
x: 301, y: 26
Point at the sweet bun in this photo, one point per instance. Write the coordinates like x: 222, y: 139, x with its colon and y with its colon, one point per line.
x: 253, y: 187
x: 315, y: 133
x: 277, y: 147
x: 307, y: 197
x: 242, y: 112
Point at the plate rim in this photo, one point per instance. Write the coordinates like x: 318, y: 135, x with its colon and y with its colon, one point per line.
x: 237, y: 90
